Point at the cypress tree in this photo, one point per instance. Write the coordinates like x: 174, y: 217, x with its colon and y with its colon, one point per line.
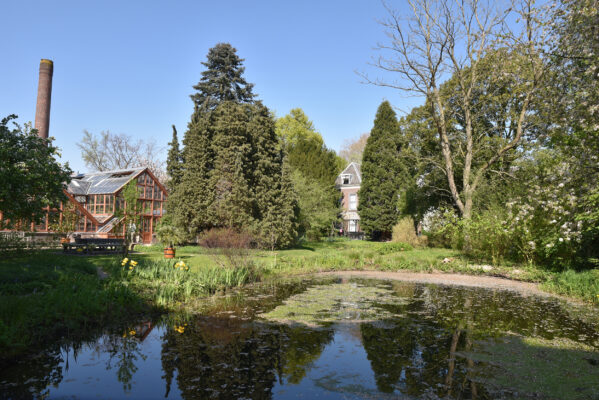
x: 381, y: 176
x: 174, y: 161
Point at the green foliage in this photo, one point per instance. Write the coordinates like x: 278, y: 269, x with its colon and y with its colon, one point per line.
x: 69, y: 221
x: 170, y: 235
x: 404, y: 231
x: 223, y: 79
x: 233, y: 171
x: 46, y: 297
x: 314, y: 169
x: 381, y: 176
x: 31, y: 176
x: 130, y: 217
x: 317, y: 212
x: 174, y: 161
x: 393, y: 247
x: 295, y: 126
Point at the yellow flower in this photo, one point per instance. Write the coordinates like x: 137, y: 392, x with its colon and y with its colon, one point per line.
x: 134, y: 263
x: 132, y: 332
x: 130, y: 268
x: 180, y: 328
x: 125, y: 334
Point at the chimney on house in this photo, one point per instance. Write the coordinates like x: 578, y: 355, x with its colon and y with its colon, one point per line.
x: 44, y: 92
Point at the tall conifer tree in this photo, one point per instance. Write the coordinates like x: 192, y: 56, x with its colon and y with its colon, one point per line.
x: 381, y: 176
x: 174, y: 161
x: 223, y: 79
x: 233, y: 173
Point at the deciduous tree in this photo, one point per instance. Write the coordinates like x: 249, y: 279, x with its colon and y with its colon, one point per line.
x: 109, y: 151
x: 445, y: 39
x: 31, y: 176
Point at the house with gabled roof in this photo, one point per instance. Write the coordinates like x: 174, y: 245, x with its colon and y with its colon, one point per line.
x: 98, y: 195
x: 348, y: 182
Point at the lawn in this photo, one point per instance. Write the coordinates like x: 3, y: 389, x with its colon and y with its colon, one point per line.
x: 45, y: 295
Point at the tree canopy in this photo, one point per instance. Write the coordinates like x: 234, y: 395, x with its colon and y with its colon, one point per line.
x: 232, y: 171
x: 31, y: 176
x: 382, y: 173
x: 314, y: 168
x: 223, y: 79
x: 109, y: 151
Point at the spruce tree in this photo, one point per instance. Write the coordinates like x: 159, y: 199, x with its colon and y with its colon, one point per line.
x: 232, y: 172
x: 231, y: 177
x: 174, y: 161
x: 381, y: 176
x: 276, y: 203
x: 223, y: 79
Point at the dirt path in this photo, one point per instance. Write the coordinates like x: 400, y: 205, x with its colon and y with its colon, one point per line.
x: 525, y: 288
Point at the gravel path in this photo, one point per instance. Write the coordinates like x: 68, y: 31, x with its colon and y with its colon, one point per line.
x: 525, y: 288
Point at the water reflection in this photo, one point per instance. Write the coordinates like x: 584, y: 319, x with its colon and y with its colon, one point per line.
x: 419, y: 348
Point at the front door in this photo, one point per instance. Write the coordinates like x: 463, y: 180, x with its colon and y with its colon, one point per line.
x: 146, y: 230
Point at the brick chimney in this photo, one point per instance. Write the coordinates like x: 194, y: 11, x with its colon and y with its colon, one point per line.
x: 44, y: 92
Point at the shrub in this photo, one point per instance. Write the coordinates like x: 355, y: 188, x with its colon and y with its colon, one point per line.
x: 231, y: 246
x: 404, y: 232
x: 226, y: 238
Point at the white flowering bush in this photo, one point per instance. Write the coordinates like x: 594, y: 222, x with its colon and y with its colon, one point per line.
x: 543, y: 222
x: 538, y: 225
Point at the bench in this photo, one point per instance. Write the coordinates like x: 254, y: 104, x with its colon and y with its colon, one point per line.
x: 94, y: 246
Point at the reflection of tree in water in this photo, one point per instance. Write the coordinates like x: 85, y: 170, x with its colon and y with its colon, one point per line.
x: 123, y: 353
x: 300, y: 347
x: 492, y: 313
x: 423, y: 351
x: 416, y: 355
x: 229, y: 358
x: 31, y: 378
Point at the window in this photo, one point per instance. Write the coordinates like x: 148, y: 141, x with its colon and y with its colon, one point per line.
x: 109, y: 203
x: 352, y: 225
x: 100, y: 204
x: 353, y: 201
x: 81, y: 225
x: 120, y: 202
x: 345, y: 179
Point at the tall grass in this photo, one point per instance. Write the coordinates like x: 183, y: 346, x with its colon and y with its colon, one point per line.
x: 169, y: 283
x: 45, y: 296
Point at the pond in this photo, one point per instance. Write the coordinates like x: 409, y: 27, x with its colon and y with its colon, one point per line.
x: 336, y: 339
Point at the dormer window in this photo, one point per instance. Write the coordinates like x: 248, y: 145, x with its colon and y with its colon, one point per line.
x: 345, y: 179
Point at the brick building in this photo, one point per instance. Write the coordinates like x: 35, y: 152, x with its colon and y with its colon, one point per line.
x: 348, y: 182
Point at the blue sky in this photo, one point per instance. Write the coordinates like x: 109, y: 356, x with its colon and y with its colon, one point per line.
x: 129, y: 66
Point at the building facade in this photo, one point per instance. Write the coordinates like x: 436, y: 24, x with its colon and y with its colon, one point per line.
x: 96, y: 197
x: 348, y: 183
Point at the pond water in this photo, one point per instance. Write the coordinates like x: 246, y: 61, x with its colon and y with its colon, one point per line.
x: 333, y: 339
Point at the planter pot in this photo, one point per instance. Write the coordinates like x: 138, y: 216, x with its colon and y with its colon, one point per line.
x: 169, y: 252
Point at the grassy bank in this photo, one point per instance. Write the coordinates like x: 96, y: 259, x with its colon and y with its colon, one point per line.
x: 45, y: 296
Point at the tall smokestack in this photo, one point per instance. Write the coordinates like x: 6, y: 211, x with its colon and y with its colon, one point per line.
x: 44, y: 92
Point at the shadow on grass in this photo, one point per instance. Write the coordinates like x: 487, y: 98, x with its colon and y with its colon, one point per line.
x: 48, y: 298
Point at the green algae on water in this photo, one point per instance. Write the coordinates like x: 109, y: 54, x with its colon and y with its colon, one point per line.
x: 534, y: 367
x: 326, y: 304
